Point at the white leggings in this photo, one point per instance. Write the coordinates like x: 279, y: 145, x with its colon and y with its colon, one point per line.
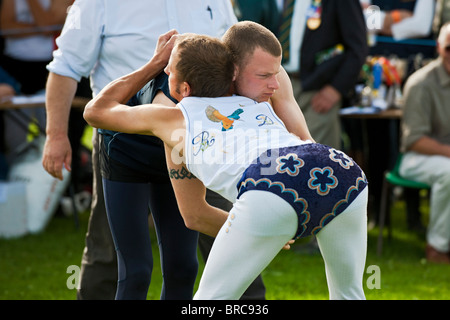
x: 260, y: 224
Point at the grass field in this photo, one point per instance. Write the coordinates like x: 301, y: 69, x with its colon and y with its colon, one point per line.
x: 35, y: 267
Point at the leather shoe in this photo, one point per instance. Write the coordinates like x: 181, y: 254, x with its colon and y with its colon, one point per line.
x: 436, y: 256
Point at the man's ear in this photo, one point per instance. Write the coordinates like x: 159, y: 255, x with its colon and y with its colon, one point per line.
x: 186, y: 92
x: 236, y: 71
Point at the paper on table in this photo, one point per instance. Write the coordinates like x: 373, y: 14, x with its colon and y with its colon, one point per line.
x: 35, y: 98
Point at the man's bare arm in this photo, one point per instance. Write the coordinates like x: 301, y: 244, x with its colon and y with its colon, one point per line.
x: 189, y: 191
x: 429, y: 146
x: 190, y: 194
x: 60, y: 91
x: 286, y: 107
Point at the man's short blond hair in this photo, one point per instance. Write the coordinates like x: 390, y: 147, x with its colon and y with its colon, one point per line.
x: 206, y: 64
x: 245, y: 36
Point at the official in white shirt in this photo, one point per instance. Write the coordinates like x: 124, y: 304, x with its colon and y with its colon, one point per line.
x: 105, y: 39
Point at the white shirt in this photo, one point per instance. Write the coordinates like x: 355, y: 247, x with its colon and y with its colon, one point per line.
x: 107, y: 39
x: 298, y: 24
x: 417, y: 26
x: 217, y: 153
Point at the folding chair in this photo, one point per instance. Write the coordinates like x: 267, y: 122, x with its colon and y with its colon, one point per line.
x: 391, y: 179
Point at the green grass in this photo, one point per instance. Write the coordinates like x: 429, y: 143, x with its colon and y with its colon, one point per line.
x: 35, y: 267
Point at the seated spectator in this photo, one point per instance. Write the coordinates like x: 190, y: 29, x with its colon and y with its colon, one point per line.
x: 406, y: 28
x: 426, y: 142
x: 6, y: 90
x: 29, y: 28
x: 8, y: 85
x: 404, y: 31
x: 441, y: 15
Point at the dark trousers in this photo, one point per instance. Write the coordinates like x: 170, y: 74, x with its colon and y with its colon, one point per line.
x: 98, y: 277
x: 127, y: 207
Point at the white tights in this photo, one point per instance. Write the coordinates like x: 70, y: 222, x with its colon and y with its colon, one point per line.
x: 260, y: 224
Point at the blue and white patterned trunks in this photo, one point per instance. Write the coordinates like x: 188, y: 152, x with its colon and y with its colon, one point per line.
x: 318, y: 181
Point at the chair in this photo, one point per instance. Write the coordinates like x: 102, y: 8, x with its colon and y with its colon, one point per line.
x: 392, y: 178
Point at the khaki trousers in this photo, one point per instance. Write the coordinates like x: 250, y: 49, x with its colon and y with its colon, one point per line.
x: 434, y: 171
x: 325, y: 128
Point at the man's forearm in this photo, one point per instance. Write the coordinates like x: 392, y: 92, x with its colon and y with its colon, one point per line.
x: 294, y: 120
x: 57, y: 152
x: 429, y: 146
x: 60, y: 91
x: 209, y: 222
x: 122, y: 89
x: 286, y: 107
x: 99, y: 111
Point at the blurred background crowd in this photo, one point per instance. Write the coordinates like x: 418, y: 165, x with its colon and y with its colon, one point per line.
x: 346, y: 60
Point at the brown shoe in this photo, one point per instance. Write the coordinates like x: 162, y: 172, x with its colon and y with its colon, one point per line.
x: 435, y: 256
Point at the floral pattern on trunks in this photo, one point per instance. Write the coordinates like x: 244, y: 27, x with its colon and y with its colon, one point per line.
x: 289, y: 164
x: 322, y: 180
x: 338, y: 156
x: 318, y: 181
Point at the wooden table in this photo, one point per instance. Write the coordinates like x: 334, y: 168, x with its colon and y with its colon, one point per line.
x: 78, y: 103
x: 18, y: 103
x: 378, y: 142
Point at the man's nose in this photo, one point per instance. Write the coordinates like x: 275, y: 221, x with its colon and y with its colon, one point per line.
x: 274, y: 84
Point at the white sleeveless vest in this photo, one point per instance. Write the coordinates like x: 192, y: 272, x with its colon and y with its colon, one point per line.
x: 225, y: 135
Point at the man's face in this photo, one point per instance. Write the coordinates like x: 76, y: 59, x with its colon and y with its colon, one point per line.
x: 170, y: 70
x: 258, y: 78
x: 444, y: 52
